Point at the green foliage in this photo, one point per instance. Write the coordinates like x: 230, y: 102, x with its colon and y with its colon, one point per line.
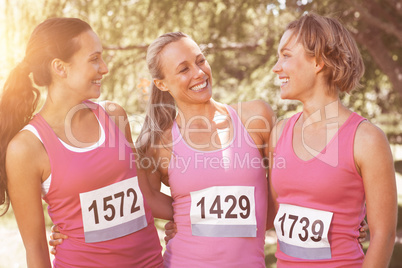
x: 240, y: 38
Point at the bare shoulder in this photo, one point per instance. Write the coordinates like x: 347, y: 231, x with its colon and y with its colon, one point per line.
x: 370, y: 145
x: 255, y: 114
x: 113, y: 109
x: 26, y: 151
x: 119, y: 117
x: 24, y: 143
x: 254, y: 107
x: 368, y: 133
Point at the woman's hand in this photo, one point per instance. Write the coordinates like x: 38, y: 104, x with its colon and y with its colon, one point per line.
x: 363, y: 231
x: 170, y: 230
x: 56, y: 238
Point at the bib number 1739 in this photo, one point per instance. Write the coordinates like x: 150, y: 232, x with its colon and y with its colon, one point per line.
x: 303, y: 232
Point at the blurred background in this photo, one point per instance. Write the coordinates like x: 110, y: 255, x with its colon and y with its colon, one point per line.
x: 240, y: 38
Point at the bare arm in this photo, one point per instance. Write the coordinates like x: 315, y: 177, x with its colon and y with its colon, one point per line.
x: 273, y: 205
x: 374, y: 161
x: 23, y: 165
x: 160, y: 204
x: 259, y: 118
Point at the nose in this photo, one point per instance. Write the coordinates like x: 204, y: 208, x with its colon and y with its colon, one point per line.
x: 277, y: 67
x: 103, y: 67
x: 199, y: 72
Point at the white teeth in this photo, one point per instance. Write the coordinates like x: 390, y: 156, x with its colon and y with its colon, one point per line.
x: 199, y: 86
x: 284, y: 80
x: 98, y: 82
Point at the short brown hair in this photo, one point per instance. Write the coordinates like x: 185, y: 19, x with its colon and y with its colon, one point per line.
x: 328, y: 40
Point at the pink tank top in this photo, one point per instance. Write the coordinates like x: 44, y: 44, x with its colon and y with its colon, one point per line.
x: 220, y: 203
x: 94, y: 198
x: 322, y: 202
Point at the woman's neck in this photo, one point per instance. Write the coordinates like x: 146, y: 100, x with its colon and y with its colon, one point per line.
x: 199, y: 115
x: 322, y: 110
x: 58, y: 113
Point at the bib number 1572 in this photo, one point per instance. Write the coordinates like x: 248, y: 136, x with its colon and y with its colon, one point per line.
x: 113, y: 211
x: 109, y: 205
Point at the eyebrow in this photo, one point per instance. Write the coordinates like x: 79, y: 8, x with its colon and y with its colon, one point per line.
x: 183, y: 62
x: 95, y: 53
x: 179, y: 65
x: 282, y: 50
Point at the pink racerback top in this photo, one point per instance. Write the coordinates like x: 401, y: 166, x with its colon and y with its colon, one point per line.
x: 220, y: 203
x: 94, y: 198
x: 322, y: 201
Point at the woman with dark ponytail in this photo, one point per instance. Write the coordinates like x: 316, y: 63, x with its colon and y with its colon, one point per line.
x: 75, y: 154
x: 17, y: 104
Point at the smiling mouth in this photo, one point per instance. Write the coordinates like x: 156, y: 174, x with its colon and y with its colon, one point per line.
x: 284, y: 81
x: 96, y: 82
x: 199, y: 87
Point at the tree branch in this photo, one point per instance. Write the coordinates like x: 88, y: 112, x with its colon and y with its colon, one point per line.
x: 389, y: 28
x: 210, y: 46
x: 396, y: 5
x: 380, y: 55
x: 230, y: 47
x: 130, y: 47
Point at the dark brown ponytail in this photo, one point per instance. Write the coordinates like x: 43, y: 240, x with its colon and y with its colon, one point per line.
x: 53, y: 38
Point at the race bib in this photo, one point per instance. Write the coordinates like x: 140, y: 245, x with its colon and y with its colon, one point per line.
x: 223, y: 211
x: 113, y: 211
x: 303, y: 232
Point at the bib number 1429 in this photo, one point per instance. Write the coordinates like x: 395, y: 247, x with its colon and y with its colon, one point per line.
x: 243, y: 202
x: 227, y: 211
